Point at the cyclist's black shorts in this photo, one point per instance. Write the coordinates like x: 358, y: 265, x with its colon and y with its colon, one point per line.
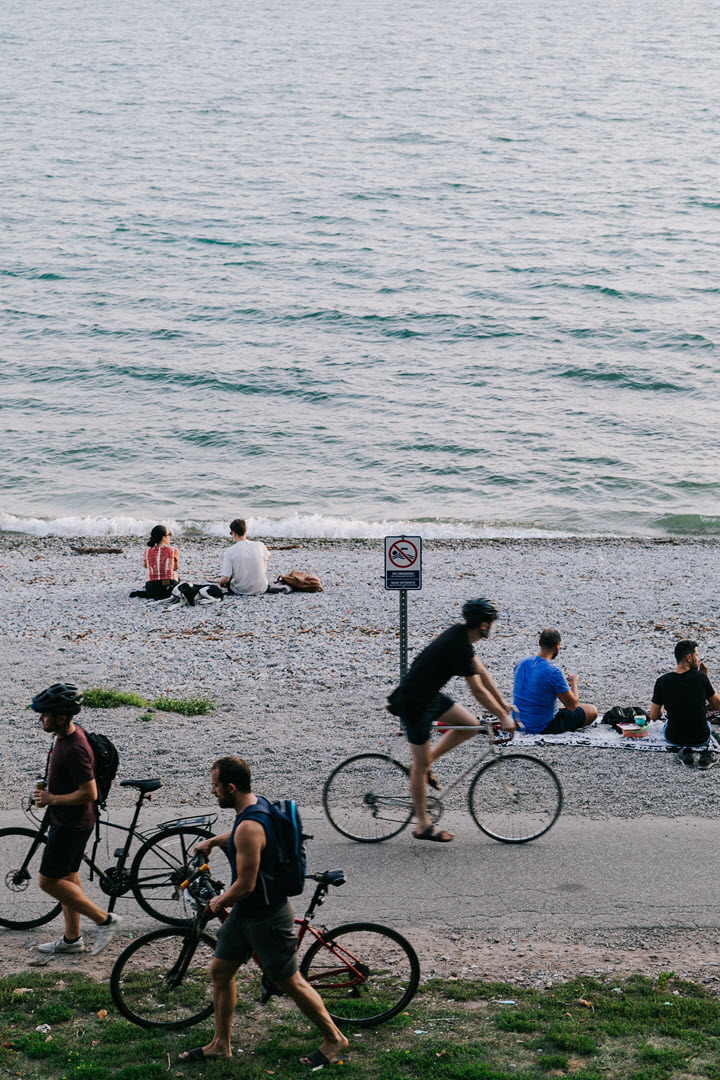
x: 418, y: 725
x: 64, y: 851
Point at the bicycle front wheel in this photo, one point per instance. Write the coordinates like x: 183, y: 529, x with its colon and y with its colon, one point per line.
x: 162, y: 980
x: 515, y: 798
x: 23, y: 904
x: 364, y: 973
x: 160, y: 867
x: 367, y: 798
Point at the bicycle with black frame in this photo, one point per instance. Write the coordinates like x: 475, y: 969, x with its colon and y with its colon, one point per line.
x: 153, y: 875
x: 364, y: 972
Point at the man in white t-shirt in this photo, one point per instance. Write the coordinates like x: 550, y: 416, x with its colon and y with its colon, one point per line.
x: 244, y: 565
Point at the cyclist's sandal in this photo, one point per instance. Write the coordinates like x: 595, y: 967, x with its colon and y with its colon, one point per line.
x: 431, y: 833
x: 433, y: 781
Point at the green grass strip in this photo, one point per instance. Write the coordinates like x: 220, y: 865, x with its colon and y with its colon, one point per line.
x: 587, y: 1029
x: 104, y: 698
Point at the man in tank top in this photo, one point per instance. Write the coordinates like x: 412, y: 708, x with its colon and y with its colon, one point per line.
x: 261, y: 920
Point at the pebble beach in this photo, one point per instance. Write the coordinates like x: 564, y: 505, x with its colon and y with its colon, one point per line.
x: 299, y: 681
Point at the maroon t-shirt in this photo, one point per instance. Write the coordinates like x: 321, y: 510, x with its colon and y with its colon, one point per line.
x: 72, y: 763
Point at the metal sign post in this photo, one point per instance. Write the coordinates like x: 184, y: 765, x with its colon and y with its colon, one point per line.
x: 403, y: 571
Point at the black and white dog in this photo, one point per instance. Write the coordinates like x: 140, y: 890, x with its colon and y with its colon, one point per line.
x: 192, y: 595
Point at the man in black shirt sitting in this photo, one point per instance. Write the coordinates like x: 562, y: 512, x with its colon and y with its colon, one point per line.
x: 419, y: 703
x: 684, y: 694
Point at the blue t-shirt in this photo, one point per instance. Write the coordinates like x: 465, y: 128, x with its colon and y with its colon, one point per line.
x: 536, y: 687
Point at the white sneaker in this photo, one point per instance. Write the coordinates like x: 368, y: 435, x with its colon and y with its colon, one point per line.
x: 62, y: 946
x: 105, y: 934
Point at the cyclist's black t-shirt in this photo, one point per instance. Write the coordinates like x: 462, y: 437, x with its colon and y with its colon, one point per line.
x: 683, y: 695
x: 448, y: 655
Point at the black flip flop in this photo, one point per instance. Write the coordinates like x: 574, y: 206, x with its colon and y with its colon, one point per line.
x: 198, y: 1054
x: 317, y: 1059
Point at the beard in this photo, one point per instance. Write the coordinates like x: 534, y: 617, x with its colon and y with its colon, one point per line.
x: 225, y: 802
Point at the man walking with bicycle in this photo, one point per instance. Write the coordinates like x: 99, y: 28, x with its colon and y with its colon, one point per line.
x: 419, y: 703
x: 71, y: 794
x: 261, y: 920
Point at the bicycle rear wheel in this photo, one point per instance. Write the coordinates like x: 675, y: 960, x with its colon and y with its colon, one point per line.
x: 143, y: 979
x: 515, y: 798
x: 367, y: 798
x: 23, y: 904
x: 365, y: 973
x: 160, y: 867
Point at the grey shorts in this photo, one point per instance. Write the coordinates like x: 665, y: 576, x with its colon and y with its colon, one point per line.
x: 272, y: 939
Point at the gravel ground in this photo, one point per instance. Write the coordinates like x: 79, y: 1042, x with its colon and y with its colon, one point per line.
x: 300, y: 681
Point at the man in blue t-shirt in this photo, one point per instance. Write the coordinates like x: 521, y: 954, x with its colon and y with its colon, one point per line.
x: 540, y: 689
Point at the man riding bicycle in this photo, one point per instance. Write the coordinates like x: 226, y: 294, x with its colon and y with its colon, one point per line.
x: 419, y: 703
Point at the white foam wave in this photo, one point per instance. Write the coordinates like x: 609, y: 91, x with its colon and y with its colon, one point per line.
x: 295, y: 526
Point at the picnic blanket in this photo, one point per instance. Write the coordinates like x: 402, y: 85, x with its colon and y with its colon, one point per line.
x: 603, y: 736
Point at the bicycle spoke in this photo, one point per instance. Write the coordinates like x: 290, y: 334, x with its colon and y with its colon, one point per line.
x: 365, y: 973
x: 515, y: 798
x: 162, y: 865
x: 367, y: 798
x: 23, y: 904
x: 155, y: 983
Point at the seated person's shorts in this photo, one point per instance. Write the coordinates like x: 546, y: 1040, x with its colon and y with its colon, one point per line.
x: 272, y: 939
x: 701, y: 745
x: 565, y: 720
x: 418, y: 726
x: 63, y: 851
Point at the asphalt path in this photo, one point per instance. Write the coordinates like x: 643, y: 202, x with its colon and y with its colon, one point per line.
x: 649, y: 873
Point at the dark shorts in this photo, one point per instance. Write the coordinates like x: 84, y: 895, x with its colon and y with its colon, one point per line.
x: 418, y: 726
x: 64, y: 851
x: 566, y: 720
x: 273, y: 940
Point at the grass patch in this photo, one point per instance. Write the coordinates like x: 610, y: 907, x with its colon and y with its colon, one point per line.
x: 98, y: 697
x: 452, y: 1031
x: 103, y: 698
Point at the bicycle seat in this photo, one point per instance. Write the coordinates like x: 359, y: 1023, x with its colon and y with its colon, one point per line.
x: 331, y: 877
x: 142, y: 785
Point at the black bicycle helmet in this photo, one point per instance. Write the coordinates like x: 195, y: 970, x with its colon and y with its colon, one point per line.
x: 479, y: 611
x: 62, y: 698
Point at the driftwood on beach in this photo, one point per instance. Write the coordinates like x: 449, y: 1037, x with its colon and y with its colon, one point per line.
x: 96, y: 550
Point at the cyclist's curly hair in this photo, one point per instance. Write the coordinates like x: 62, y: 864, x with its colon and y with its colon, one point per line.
x: 234, y: 770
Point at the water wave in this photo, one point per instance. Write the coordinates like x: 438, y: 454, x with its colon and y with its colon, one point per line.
x: 327, y: 526
x: 294, y: 526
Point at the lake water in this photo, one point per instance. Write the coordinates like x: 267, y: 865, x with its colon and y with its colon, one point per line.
x: 346, y: 268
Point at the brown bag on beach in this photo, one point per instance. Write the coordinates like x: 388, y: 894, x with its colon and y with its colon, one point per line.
x: 300, y: 581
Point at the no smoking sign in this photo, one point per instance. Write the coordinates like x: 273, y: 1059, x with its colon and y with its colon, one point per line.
x: 403, y: 562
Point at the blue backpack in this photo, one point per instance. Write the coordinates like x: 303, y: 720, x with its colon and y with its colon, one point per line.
x: 290, y: 844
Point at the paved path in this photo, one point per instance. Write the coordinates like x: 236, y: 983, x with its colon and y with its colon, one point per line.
x: 648, y: 873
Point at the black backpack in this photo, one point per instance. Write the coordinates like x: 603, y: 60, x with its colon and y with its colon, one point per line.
x: 290, y: 843
x: 623, y: 715
x: 106, y: 764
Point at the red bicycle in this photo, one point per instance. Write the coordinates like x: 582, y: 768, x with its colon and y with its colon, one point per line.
x: 365, y: 973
